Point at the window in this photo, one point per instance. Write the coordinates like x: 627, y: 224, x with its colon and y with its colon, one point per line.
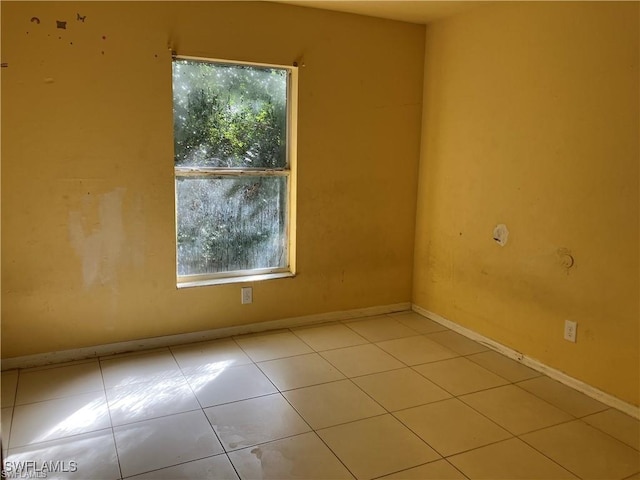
x: 234, y: 140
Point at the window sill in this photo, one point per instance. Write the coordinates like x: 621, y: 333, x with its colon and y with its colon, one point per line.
x: 241, y: 279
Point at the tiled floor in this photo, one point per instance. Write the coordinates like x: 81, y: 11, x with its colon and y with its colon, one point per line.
x: 394, y: 396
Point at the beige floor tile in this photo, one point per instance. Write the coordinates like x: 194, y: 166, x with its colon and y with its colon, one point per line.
x: 164, y: 442
x: 94, y: 454
x: 459, y: 376
x: 217, y: 467
x: 302, y: 456
x: 451, y: 427
x: 377, y: 329
x: 416, y: 350
x: 618, y: 425
x: 258, y: 420
x: 361, y: 360
x: 417, y: 322
x: 328, y: 337
x: 563, y: 397
x: 515, y: 409
x: 58, y: 418
x: 205, y: 357
x: 9, y: 386
x: 269, y: 346
x: 377, y: 446
x: 400, y: 389
x: 144, y: 367
x: 458, y: 343
x: 438, y: 470
x: 230, y: 384
x: 300, y: 371
x: 50, y: 383
x: 511, y: 459
x: 585, y: 451
x: 142, y: 401
x: 503, y: 366
x: 332, y: 403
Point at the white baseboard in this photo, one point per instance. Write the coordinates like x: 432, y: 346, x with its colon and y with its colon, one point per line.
x: 42, y: 359
x: 551, y: 372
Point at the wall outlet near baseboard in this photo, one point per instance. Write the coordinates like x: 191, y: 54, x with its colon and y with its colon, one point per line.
x: 570, y: 330
x: 247, y: 295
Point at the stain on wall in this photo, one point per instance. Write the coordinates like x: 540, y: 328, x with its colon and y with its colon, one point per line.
x: 501, y: 234
x: 99, y: 245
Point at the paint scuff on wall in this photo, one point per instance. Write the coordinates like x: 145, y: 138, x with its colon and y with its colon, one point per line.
x: 501, y: 234
x: 100, y: 248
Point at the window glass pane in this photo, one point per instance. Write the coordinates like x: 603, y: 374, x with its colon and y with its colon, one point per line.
x: 231, y: 223
x: 229, y: 115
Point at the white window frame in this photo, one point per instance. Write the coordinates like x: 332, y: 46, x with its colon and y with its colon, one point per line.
x: 252, y: 275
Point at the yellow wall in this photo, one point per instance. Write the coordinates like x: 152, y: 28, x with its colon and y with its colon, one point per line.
x: 531, y: 120
x: 87, y: 166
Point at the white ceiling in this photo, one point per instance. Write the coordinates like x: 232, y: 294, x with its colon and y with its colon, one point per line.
x: 415, y: 11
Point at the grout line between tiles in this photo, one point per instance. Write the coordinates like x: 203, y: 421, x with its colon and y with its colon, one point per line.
x: 59, y: 439
x: 155, y: 418
x: 314, y: 431
x: 547, y: 456
x: 421, y: 405
x: 456, y: 468
x: 283, y: 390
x: 418, y: 466
x: 502, y: 426
x: 598, y: 429
x: 518, y: 436
x: 13, y: 411
x: 113, y: 433
x: 352, y: 421
x: 495, y: 442
x: 15, y: 391
x: 9, y: 433
x: 224, y: 451
x: 62, y: 397
x: 233, y: 465
x: 449, y: 392
x: 180, y: 463
x: 266, y: 442
x: 277, y: 392
x: 457, y: 453
x: 517, y: 384
x: 335, y: 454
x: 536, y: 374
x: 574, y: 417
x: 196, y: 397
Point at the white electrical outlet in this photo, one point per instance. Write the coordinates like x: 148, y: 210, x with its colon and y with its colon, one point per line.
x: 570, y: 330
x: 247, y: 295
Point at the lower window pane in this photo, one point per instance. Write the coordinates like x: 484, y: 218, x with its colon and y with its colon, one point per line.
x: 231, y: 223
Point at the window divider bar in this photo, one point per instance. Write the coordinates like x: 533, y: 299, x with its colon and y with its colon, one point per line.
x: 231, y: 172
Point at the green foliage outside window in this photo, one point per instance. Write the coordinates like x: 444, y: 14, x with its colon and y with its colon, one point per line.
x: 229, y: 115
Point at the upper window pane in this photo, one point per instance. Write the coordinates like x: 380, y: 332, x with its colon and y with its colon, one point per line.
x: 229, y: 116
